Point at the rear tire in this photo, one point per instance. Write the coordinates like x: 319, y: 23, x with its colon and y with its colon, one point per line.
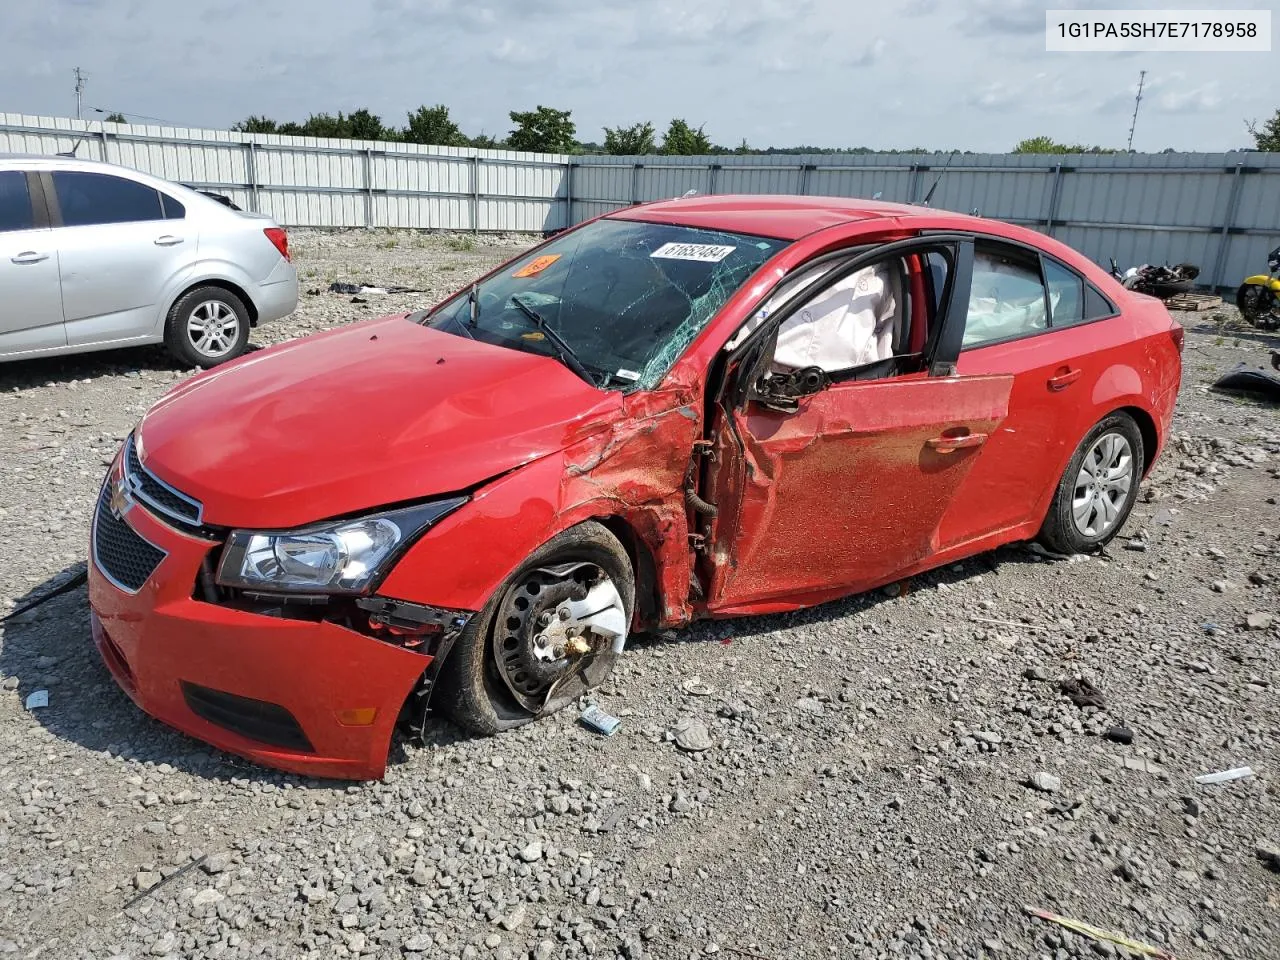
x: 1098, y: 489
x: 1171, y: 288
x: 206, y: 327
x: 472, y: 688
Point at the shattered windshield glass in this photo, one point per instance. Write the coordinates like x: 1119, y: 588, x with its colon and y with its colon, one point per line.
x: 626, y: 298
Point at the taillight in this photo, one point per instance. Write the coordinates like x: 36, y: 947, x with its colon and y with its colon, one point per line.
x: 1179, y: 336
x: 279, y: 239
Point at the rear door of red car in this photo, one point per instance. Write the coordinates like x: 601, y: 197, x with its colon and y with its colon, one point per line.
x: 848, y: 488
x: 1056, y: 352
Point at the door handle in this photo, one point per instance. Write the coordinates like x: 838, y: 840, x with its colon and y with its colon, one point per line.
x: 950, y: 444
x: 29, y: 256
x: 1060, y: 381
x: 168, y: 240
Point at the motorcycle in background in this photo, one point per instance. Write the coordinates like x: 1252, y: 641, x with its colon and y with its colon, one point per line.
x: 1259, y: 296
x: 1157, y: 281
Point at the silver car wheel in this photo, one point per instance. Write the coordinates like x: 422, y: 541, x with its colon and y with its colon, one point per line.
x: 213, y: 329
x: 1103, y: 485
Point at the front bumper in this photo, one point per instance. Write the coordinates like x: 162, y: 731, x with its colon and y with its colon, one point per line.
x: 199, y: 666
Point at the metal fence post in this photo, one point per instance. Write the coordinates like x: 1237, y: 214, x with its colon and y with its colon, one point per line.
x: 1055, y: 191
x: 805, y: 170
x: 251, y: 172
x: 367, y: 164
x: 1228, y: 221
x: 635, y: 183
x: 475, y: 194
x: 913, y: 187
x: 568, y: 193
x: 102, y: 139
x: 713, y: 175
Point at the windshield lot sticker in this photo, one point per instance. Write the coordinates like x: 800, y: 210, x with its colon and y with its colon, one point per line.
x: 537, y: 265
x: 702, y: 252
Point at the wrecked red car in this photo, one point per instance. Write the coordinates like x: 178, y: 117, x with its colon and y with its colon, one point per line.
x: 703, y: 407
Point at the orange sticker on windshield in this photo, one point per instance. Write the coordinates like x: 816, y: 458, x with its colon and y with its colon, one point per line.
x: 536, y: 265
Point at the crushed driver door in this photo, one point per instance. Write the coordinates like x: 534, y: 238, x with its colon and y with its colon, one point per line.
x: 848, y: 488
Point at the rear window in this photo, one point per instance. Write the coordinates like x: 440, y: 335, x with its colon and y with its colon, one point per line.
x: 93, y: 198
x: 173, y: 210
x: 15, y: 201
x: 1074, y: 300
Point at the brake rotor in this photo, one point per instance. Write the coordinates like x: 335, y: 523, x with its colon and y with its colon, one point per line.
x: 557, y: 633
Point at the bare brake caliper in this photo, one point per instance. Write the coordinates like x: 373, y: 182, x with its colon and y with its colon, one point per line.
x: 557, y: 634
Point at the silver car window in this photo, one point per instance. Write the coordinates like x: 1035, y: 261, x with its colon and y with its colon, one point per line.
x: 93, y: 198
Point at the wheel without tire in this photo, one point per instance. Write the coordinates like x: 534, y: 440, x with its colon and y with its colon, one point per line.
x: 549, y: 634
x: 1099, y: 488
x: 206, y: 327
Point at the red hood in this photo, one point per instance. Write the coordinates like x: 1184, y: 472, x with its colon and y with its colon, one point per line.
x: 366, y: 415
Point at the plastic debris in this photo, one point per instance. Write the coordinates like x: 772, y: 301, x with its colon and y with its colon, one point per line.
x: 339, y: 286
x: 696, y: 688
x: 1102, y: 936
x: 37, y: 699
x: 1224, y: 776
x: 596, y: 719
x: 1119, y: 734
x: 1083, y: 693
x: 691, y: 735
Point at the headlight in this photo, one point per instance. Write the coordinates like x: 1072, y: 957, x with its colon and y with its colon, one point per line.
x: 341, y: 557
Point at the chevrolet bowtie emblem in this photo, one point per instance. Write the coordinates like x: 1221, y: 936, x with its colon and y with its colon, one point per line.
x: 120, y: 501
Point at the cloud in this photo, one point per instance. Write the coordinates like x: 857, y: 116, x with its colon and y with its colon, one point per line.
x: 874, y: 53
x: 515, y: 52
x: 1198, y: 99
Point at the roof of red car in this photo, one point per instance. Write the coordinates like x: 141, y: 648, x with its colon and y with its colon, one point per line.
x: 783, y: 217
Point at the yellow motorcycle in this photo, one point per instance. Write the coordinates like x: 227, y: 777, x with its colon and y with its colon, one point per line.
x: 1259, y: 296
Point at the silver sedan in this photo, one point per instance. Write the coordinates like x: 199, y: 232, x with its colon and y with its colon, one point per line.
x: 95, y: 256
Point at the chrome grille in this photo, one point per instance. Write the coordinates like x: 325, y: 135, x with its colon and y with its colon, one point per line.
x: 121, y: 554
x: 161, y: 498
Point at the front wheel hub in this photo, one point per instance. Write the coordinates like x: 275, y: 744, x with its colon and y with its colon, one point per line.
x: 557, y: 633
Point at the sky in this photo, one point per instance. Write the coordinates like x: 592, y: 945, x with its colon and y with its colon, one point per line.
x: 940, y: 74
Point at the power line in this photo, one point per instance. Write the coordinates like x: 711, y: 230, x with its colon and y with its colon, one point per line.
x: 81, y: 80
x: 140, y: 116
x: 1136, y: 103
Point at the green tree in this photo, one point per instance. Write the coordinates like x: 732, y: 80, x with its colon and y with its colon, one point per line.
x: 256, y: 124
x: 682, y: 140
x: 1268, y: 137
x: 365, y: 125
x: 635, y: 140
x: 485, y: 142
x: 116, y: 118
x: 1049, y: 145
x: 543, y: 130
x: 432, y: 125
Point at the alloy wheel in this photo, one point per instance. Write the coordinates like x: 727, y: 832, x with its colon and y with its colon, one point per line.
x: 1103, y: 485
x: 213, y: 329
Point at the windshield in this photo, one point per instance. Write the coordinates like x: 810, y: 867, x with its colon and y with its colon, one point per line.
x: 619, y: 298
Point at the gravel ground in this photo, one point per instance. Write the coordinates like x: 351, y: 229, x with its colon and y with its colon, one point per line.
x: 895, y: 775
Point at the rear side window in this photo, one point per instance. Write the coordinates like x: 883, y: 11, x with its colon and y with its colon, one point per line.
x: 1073, y: 300
x: 93, y: 198
x: 15, y: 202
x: 173, y: 210
x: 1007, y: 299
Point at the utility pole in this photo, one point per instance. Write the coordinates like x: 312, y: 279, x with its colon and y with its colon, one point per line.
x: 81, y: 79
x: 1136, y: 103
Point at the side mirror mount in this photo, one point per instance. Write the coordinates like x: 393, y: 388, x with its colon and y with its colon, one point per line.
x: 781, y: 391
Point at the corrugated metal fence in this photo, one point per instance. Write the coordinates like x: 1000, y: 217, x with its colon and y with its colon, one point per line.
x: 1219, y: 210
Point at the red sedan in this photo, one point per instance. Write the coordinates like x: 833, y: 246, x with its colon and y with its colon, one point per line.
x: 704, y: 407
